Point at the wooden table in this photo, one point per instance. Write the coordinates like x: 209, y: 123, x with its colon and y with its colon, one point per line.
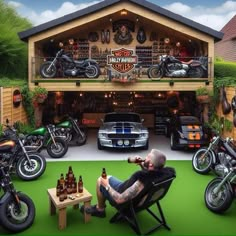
x: 55, y: 204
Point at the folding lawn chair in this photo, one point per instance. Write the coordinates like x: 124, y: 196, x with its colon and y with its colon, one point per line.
x: 152, y: 196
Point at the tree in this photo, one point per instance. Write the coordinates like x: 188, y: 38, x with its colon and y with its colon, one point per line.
x: 13, y: 52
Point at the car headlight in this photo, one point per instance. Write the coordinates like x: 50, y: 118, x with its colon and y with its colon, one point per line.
x: 144, y: 135
x: 102, y: 135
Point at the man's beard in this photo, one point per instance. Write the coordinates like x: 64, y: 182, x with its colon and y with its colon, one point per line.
x: 146, y: 164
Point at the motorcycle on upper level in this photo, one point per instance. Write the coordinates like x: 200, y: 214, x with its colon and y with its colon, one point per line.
x: 65, y: 66
x: 170, y: 66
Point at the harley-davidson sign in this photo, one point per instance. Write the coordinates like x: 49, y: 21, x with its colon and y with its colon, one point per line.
x: 122, y: 60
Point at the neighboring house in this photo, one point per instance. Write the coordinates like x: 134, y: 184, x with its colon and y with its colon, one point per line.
x: 226, y: 48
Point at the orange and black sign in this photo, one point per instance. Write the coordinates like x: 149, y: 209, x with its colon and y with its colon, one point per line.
x: 17, y: 98
x: 122, y: 60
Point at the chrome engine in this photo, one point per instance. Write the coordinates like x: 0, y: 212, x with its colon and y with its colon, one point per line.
x: 225, y: 162
x: 177, y: 70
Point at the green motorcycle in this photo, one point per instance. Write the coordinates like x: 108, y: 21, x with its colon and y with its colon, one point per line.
x: 44, y: 137
x: 71, y: 132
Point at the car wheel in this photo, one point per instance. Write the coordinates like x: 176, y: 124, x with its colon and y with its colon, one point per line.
x: 173, y: 145
x: 100, y: 147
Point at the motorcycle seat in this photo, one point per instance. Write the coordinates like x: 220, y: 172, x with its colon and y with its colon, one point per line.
x: 187, y: 62
x: 79, y: 62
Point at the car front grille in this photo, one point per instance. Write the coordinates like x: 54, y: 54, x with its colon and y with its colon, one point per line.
x: 123, y: 136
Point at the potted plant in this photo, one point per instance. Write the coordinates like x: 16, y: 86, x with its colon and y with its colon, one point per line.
x: 203, y: 95
x: 39, y: 95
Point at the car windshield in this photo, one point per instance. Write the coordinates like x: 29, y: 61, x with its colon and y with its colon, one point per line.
x: 122, y: 118
x: 189, y: 120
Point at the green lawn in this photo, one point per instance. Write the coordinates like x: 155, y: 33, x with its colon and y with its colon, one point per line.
x: 183, y: 205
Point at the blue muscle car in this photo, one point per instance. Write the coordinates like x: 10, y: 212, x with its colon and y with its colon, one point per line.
x: 122, y: 130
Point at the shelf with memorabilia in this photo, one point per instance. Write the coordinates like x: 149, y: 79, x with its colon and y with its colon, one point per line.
x: 144, y: 54
x: 78, y: 49
x: 100, y: 55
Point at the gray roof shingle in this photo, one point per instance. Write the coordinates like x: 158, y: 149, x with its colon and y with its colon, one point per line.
x: 24, y: 35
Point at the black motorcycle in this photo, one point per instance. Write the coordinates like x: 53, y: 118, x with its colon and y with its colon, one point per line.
x: 71, y: 132
x: 221, y: 191
x: 170, y: 66
x: 220, y: 153
x: 17, y: 210
x: 28, y: 166
x: 45, y: 137
x: 69, y: 67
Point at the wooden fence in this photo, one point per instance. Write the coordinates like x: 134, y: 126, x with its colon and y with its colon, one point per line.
x: 7, y: 108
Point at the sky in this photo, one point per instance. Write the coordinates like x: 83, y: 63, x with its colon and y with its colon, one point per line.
x: 212, y: 13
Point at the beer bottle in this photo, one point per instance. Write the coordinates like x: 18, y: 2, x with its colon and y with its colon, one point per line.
x: 104, y: 174
x: 61, y: 196
x: 65, y: 192
x: 136, y: 160
x: 80, y: 184
x: 58, y: 188
x: 74, y: 185
x: 70, y: 174
x: 62, y: 180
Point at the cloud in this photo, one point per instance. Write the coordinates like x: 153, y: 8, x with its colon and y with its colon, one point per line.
x: 214, y: 18
x: 38, y: 18
x: 15, y: 4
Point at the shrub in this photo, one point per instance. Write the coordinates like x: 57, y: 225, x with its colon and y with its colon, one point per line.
x: 225, y: 69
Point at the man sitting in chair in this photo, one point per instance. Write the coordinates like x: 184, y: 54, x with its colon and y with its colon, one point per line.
x: 118, y: 192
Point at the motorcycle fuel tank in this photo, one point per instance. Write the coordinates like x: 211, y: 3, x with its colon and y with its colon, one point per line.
x: 39, y: 131
x: 64, y: 124
x: 6, y: 145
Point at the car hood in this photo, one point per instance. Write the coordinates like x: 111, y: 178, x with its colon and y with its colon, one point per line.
x: 123, y: 127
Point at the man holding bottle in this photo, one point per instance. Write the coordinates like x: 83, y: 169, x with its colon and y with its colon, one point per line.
x: 118, y: 192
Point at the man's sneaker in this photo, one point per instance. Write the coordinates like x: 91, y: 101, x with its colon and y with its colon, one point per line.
x: 93, y: 211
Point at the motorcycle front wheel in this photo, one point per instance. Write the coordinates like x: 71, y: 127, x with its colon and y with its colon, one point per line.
x: 92, y: 71
x: 33, y: 170
x: 218, y: 202
x: 81, y: 140
x: 196, y: 72
x: 14, y: 219
x: 47, y: 70
x: 57, y: 150
x: 155, y: 72
x: 202, y: 165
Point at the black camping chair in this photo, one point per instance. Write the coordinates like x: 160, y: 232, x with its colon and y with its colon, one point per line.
x: 153, y: 195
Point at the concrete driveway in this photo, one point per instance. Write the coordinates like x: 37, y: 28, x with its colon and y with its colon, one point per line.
x: 89, y: 151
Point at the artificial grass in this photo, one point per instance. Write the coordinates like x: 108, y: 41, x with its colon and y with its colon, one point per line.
x: 183, y: 206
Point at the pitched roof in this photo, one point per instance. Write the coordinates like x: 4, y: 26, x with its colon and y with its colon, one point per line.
x: 24, y: 35
x: 229, y: 29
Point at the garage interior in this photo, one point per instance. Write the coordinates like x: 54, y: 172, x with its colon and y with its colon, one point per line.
x: 89, y: 107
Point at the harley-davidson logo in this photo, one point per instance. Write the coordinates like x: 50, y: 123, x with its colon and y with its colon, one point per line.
x: 122, y: 60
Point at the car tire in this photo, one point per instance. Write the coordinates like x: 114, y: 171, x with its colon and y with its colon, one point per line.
x: 173, y: 145
x: 100, y: 147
